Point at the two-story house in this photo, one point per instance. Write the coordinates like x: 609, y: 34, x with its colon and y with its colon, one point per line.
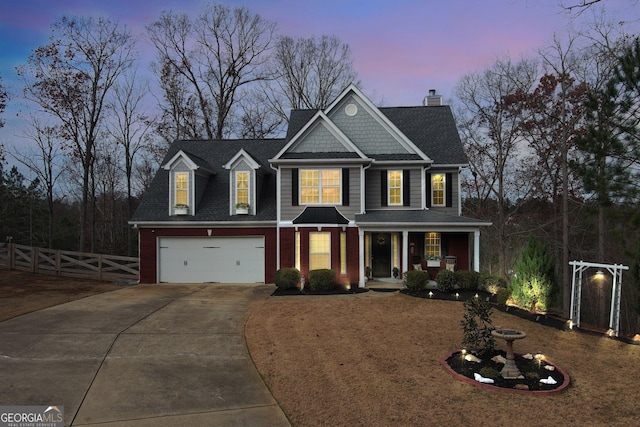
x: 355, y: 188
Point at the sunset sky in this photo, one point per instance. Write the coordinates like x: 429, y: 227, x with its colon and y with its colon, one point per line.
x: 401, y: 48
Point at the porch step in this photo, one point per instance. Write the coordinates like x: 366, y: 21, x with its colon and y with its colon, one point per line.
x: 384, y: 284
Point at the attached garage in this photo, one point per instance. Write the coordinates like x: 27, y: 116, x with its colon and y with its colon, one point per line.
x: 211, y: 259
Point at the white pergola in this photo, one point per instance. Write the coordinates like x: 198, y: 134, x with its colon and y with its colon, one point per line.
x: 576, y: 292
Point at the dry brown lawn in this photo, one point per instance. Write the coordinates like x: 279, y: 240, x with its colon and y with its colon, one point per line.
x: 373, y: 359
x: 22, y: 292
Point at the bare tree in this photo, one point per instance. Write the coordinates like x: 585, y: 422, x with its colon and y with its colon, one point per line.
x: 179, y: 117
x: 218, y: 53
x: 3, y: 100
x: 308, y: 73
x: 130, y: 128
x: 491, y: 137
x: 70, y: 78
x: 43, y: 162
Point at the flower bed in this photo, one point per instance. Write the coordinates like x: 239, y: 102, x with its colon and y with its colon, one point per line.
x: 532, y: 372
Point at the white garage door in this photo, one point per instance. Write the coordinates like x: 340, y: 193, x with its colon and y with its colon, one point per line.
x: 211, y: 259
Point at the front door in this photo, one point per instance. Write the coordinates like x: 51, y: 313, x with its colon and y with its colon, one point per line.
x: 381, y: 254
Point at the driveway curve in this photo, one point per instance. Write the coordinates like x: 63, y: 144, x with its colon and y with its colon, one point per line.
x: 148, y: 355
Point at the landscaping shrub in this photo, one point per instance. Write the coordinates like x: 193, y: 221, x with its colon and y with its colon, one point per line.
x: 468, y: 280
x: 476, y: 326
x: 492, y: 283
x: 489, y: 372
x: 503, y: 296
x: 322, y: 280
x: 416, y: 280
x: 533, y: 284
x: 287, y: 278
x: 446, y: 280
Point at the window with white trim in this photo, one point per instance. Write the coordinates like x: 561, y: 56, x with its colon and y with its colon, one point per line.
x: 181, y: 188
x: 394, y: 188
x: 242, y: 187
x: 432, y: 246
x: 319, y: 250
x: 320, y: 186
x: 438, y: 189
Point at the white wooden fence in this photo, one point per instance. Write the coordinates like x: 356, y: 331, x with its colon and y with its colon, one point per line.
x: 68, y: 263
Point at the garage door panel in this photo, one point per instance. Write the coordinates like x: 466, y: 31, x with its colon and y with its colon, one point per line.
x: 211, y: 259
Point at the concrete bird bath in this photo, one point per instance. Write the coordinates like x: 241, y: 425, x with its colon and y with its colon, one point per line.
x: 510, y: 370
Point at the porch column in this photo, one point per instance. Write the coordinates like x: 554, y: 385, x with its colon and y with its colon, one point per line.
x: 476, y: 250
x: 362, y: 281
x: 405, y: 251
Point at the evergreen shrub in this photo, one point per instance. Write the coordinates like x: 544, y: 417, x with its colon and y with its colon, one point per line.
x: 533, y: 285
x: 416, y: 280
x: 492, y: 283
x: 287, y: 278
x: 468, y: 280
x: 322, y: 280
x: 446, y: 280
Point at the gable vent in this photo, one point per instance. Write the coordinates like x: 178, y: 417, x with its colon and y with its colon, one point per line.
x: 433, y: 99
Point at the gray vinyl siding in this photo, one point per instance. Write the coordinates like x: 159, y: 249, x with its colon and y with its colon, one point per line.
x: 289, y: 212
x: 374, y: 190
x: 455, y: 191
x: 364, y: 130
x: 319, y: 140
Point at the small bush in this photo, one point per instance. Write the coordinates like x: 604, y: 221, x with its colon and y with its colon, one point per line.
x: 503, y: 296
x: 467, y: 279
x: 446, y: 280
x: 416, y: 280
x: 492, y: 283
x: 476, y: 326
x: 322, y: 280
x: 287, y: 278
x: 488, y: 372
x: 533, y: 286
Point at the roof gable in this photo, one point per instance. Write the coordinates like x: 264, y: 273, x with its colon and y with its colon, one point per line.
x: 365, y: 125
x: 320, y: 135
x: 192, y: 161
x: 242, y: 155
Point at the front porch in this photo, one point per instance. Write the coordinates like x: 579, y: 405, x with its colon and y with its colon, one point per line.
x: 387, y: 254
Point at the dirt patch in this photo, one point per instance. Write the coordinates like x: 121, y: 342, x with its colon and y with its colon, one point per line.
x: 375, y: 360
x: 22, y: 292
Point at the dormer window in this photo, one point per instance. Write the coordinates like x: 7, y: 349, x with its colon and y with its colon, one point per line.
x: 320, y: 186
x: 242, y: 187
x: 182, y: 188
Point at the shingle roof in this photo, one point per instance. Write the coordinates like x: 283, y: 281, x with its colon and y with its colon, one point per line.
x: 154, y: 205
x: 432, y: 129
x: 401, y: 216
x: 321, y: 215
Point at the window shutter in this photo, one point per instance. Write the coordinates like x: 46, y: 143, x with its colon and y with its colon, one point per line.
x: 406, y: 187
x: 383, y: 187
x: 294, y: 187
x: 449, y: 190
x: 427, y: 178
x: 345, y: 186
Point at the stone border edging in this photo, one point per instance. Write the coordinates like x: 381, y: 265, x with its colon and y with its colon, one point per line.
x: 562, y: 387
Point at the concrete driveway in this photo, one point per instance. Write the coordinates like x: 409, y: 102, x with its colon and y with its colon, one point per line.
x: 149, y: 355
